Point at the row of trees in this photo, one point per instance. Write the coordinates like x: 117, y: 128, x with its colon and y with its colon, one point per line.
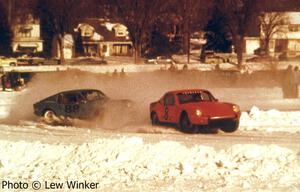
x: 233, y: 18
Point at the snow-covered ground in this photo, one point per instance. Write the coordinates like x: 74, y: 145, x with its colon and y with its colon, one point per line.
x: 263, y: 155
x: 130, y: 164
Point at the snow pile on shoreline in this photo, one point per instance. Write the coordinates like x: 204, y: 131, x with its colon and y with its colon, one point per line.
x: 131, y: 163
x: 271, y: 120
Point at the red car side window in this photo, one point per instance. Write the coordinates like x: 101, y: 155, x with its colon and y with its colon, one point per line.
x: 205, y: 97
x: 169, y: 99
x: 194, y: 97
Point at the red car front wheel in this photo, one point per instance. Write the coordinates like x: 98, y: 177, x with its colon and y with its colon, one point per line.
x: 185, y: 124
x: 231, y: 127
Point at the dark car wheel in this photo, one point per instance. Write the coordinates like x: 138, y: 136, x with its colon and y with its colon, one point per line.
x: 49, y: 117
x: 185, y: 124
x: 154, y: 119
x: 231, y: 127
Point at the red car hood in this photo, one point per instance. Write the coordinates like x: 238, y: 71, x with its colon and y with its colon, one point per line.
x: 213, y: 109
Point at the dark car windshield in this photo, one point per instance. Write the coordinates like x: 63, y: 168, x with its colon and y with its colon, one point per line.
x: 194, y: 97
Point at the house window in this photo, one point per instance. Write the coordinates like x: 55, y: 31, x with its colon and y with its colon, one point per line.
x: 294, y: 27
x: 120, y: 49
x: 25, y: 31
x: 272, y: 45
x: 281, y: 45
x: 169, y: 99
x: 104, y: 48
x: 121, y: 34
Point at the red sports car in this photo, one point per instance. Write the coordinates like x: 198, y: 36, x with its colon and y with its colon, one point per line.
x: 195, y: 109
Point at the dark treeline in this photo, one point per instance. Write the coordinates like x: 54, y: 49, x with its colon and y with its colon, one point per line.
x: 150, y: 23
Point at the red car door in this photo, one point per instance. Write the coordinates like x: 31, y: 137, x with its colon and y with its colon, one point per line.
x: 170, y: 108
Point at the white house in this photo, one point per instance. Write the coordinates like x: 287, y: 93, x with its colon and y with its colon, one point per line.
x: 103, y: 38
x: 68, y: 46
x: 27, y: 37
x: 285, y: 40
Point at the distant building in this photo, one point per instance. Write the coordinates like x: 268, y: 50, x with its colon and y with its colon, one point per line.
x: 68, y: 47
x: 289, y: 40
x: 251, y: 44
x: 103, y: 38
x: 27, y: 37
x: 285, y: 41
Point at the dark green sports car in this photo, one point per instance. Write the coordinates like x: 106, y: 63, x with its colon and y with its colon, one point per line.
x: 80, y: 104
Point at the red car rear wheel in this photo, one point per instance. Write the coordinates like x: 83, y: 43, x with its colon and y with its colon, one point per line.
x: 154, y: 119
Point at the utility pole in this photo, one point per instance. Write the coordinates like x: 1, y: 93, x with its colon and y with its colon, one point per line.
x: 187, y: 26
x: 9, y: 8
x: 189, y: 30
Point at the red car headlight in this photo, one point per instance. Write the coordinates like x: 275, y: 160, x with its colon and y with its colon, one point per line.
x: 198, y: 112
x: 236, y: 108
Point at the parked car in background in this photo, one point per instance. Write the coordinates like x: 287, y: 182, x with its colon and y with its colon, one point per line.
x: 193, y: 110
x: 15, y: 80
x: 259, y: 51
x: 26, y: 60
x: 8, y: 61
x: 81, y: 104
x: 262, y: 58
x: 159, y: 60
x: 88, y: 61
x: 210, y: 57
x: 214, y: 59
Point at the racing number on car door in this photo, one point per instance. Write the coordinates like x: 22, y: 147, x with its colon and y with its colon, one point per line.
x: 70, y: 102
x: 72, y: 108
x: 169, y: 101
x: 166, y: 114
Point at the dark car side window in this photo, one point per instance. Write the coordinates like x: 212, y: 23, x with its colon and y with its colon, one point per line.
x: 169, y: 99
x: 91, y: 95
x: 69, y: 98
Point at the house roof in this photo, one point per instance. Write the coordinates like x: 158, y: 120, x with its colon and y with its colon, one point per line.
x: 101, y: 29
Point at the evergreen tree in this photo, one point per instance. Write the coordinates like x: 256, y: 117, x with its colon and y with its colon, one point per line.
x: 216, y: 34
x: 78, y: 44
x: 5, y: 31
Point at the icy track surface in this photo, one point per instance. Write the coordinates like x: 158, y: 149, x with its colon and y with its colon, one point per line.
x: 263, y: 155
x: 130, y: 164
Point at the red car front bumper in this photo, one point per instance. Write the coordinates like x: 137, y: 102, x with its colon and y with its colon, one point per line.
x: 213, y: 121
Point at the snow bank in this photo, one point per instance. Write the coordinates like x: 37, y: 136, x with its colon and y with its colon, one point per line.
x: 130, y: 163
x: 6, y: 100
x: 271, y: 120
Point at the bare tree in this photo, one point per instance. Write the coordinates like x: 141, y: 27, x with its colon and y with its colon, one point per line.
x: 60, y: 17
x: 238, y: 14
x: 10, y: 12
x: 137, y: 16
x: 5, y: 31
x: 190, y: 15
x: 271, y: 24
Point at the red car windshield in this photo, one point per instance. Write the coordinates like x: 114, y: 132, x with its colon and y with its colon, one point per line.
x: 194, y: 97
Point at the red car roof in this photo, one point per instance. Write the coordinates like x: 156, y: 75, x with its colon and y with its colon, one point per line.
x: 187, y: 91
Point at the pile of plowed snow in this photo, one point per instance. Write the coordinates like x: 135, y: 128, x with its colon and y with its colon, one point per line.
x: 271, y: 120
x: 130, y: 163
